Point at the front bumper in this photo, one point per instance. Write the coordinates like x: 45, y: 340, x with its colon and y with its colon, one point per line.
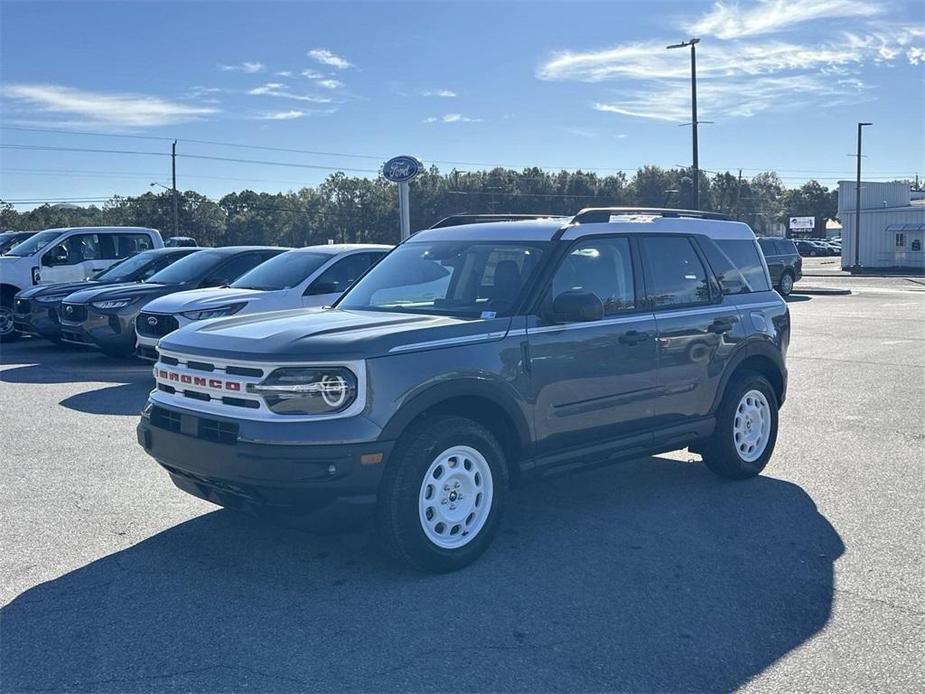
x: 208, y: 458
x: 114, y: 331
x: 36, y: 318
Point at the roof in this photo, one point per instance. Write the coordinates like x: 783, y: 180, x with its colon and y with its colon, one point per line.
x: 114, y: 229
x: 228, y: 250
x: 335, y: 248
x: 550, y: 229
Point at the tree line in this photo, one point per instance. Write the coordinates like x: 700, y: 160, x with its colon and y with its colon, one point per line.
x: 352, y: 209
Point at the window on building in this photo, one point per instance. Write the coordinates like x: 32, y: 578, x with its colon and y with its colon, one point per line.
x: 900, y: 240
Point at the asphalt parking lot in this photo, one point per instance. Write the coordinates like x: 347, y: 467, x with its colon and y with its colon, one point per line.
x: 650, y: 575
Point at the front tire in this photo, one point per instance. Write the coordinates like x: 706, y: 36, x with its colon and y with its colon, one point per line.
x: 443, y: 494
x: 7, y: 332
x: 746, y: 428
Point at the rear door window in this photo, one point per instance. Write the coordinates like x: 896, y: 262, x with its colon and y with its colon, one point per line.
x: 674, y: 273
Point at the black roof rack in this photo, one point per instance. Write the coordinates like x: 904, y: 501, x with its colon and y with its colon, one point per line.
x: 591, y: 215
x: 461, y: 219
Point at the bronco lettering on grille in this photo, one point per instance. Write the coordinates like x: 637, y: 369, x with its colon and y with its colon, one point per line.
x: 215, y: 383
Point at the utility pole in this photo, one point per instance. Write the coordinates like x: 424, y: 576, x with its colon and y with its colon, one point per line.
x: 173, y: 166
x: 696, y: 162
x: 857, y: 205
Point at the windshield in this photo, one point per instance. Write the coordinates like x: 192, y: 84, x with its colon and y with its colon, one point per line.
x: 34, y: 244
x: 189, y: 268
x: 447, y: 278
x: 128, y: 270
x: 282, y: 272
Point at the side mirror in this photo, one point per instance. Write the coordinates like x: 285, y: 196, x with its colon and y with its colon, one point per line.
x: 322, y: 288
x: 56, y: 256
x: 577, y: 306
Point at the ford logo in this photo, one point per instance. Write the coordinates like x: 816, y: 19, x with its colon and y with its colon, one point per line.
x: 152, y: 320
x: 401, y: 169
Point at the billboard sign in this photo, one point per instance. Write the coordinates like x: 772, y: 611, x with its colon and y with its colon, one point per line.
x: 802, y: 223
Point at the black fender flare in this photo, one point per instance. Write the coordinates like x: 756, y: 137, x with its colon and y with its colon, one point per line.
x: 750, y: 348
x: 497, y: 393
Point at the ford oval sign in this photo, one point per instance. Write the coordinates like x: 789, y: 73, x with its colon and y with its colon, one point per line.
x: 401, y: 169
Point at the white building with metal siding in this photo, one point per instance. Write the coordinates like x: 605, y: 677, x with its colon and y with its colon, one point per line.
x: 892, y: 225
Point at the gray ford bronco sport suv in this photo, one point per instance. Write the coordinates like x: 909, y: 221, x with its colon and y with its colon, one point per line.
x: 472, y: 357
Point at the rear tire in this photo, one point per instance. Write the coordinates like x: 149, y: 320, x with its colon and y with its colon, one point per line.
x: 746, y: 428
x: 7, y: 332
x: 443, y: 494
x: 786, y: 284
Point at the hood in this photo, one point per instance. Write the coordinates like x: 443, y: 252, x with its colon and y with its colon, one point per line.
x: 131, y: 290
x: 199, y: 299
x: 321, y: 334
x: 63, y: 288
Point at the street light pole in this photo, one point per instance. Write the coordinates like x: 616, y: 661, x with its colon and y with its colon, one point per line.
x: 857, y: 204
x: 173, y: 166
x: 696, y: 159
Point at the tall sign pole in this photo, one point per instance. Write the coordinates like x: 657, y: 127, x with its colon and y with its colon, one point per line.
x: 694, y: 122
x: 173, y: 168
x: 857, y: 205
x: 402, y: 170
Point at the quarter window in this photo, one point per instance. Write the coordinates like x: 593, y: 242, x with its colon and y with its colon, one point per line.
x: 603, y: 266
x: 746, y: 258
x: 674, y: 274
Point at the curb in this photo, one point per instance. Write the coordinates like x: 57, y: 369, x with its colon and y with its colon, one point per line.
x: 821, y: 291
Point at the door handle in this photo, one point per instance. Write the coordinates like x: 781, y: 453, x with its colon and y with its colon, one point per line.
x: 721, y: 325
x: 633, y: 337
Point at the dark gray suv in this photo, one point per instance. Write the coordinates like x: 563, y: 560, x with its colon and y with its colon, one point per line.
x: 471, y: 358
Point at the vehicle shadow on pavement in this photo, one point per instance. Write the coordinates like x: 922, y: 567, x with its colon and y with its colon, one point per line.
x: 124, y: 399
x: 650, y: 575
x: 49, y: 363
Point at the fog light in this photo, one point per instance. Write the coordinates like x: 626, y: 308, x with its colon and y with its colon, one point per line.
x: 332, y: 469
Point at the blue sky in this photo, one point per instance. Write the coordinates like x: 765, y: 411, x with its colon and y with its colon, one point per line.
x: 586, y: 85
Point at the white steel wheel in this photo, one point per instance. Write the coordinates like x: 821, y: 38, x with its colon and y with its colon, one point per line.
x: 751, y: 429
x: 455, y: 497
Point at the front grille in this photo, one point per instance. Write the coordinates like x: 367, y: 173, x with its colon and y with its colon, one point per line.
x: 23, y: 306
x: 155, y: 324
x: 73, y: 313
x: 219, y: 432
x: 147, y: 353
x: 222, y: 388
x: 165, y: 419
x: 197, y: 427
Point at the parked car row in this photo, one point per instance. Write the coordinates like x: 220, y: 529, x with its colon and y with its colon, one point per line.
x: 784, y: 263
x: 817, y: 247
x: 166, y: 286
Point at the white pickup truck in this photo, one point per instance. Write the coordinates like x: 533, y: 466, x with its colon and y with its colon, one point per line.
x: 65, y: 255
x: 300, y: 278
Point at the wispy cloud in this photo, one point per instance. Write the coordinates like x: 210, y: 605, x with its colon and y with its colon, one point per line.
x: 743, y: 77
x: 249, y: 68
x: 446, y: 93
x: 330, y: 84
x: 728, y: 20
x: 283, y: 73
x: 326, y: 57
x: 281, y: 115
x: 113, y: 109
x: 312, y: 74
x: 452, y: 118
x: 281, y: 91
